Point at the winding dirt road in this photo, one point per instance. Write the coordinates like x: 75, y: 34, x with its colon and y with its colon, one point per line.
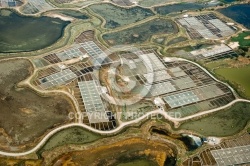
x: 123, y: 124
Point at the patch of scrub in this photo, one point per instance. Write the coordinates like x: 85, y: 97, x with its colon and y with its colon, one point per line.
x: 121, y: 152
x: 21, y: 33
x: 135, y: 111
x: 150, y: 3
x: 143, y: 162
x: 224, y: 123
x: 116, y: 16
x: 74, y: 135
x: 141, y: 33
x: 24, y: 115
x: 177, y: 40
x: 239, y: 13
x: 243, y: 39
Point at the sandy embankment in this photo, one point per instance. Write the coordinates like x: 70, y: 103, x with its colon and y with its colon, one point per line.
x: 247, y: 38
x: 62, y: 17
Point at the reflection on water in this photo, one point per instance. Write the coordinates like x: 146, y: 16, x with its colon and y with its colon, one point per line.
x: 192, y: 142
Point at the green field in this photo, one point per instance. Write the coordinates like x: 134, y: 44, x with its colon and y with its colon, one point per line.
x: 237, y: 76
x: 117, y: 16
x: 223, y: 123
x: 177, y: 40
x: 74, y: 135
x: 141, y: 33
x: 241, y: 39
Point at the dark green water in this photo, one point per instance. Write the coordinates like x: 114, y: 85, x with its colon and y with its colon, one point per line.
x: 142, y: 32
x: 164, y: 10
x: 19, y: 33
x: 228, y: 1
x: 191, y: 142
x: 239, y: 13
x: 117, y: 16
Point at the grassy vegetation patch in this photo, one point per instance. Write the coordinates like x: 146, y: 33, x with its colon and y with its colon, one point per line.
x: 116, y: 16
x: 150, y: 3
x: 141, y: 33
x: 177, y: 40
x: 189, y: 48
x: 243, y: 39
x: 74, y: 135
x: 238, y: 77
x: 136, y: 110
x: 24, y: 115
x: 223, y: 123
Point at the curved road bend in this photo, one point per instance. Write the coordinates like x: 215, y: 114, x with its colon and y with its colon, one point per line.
x: 124, y: 124
x: 162, y: 112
